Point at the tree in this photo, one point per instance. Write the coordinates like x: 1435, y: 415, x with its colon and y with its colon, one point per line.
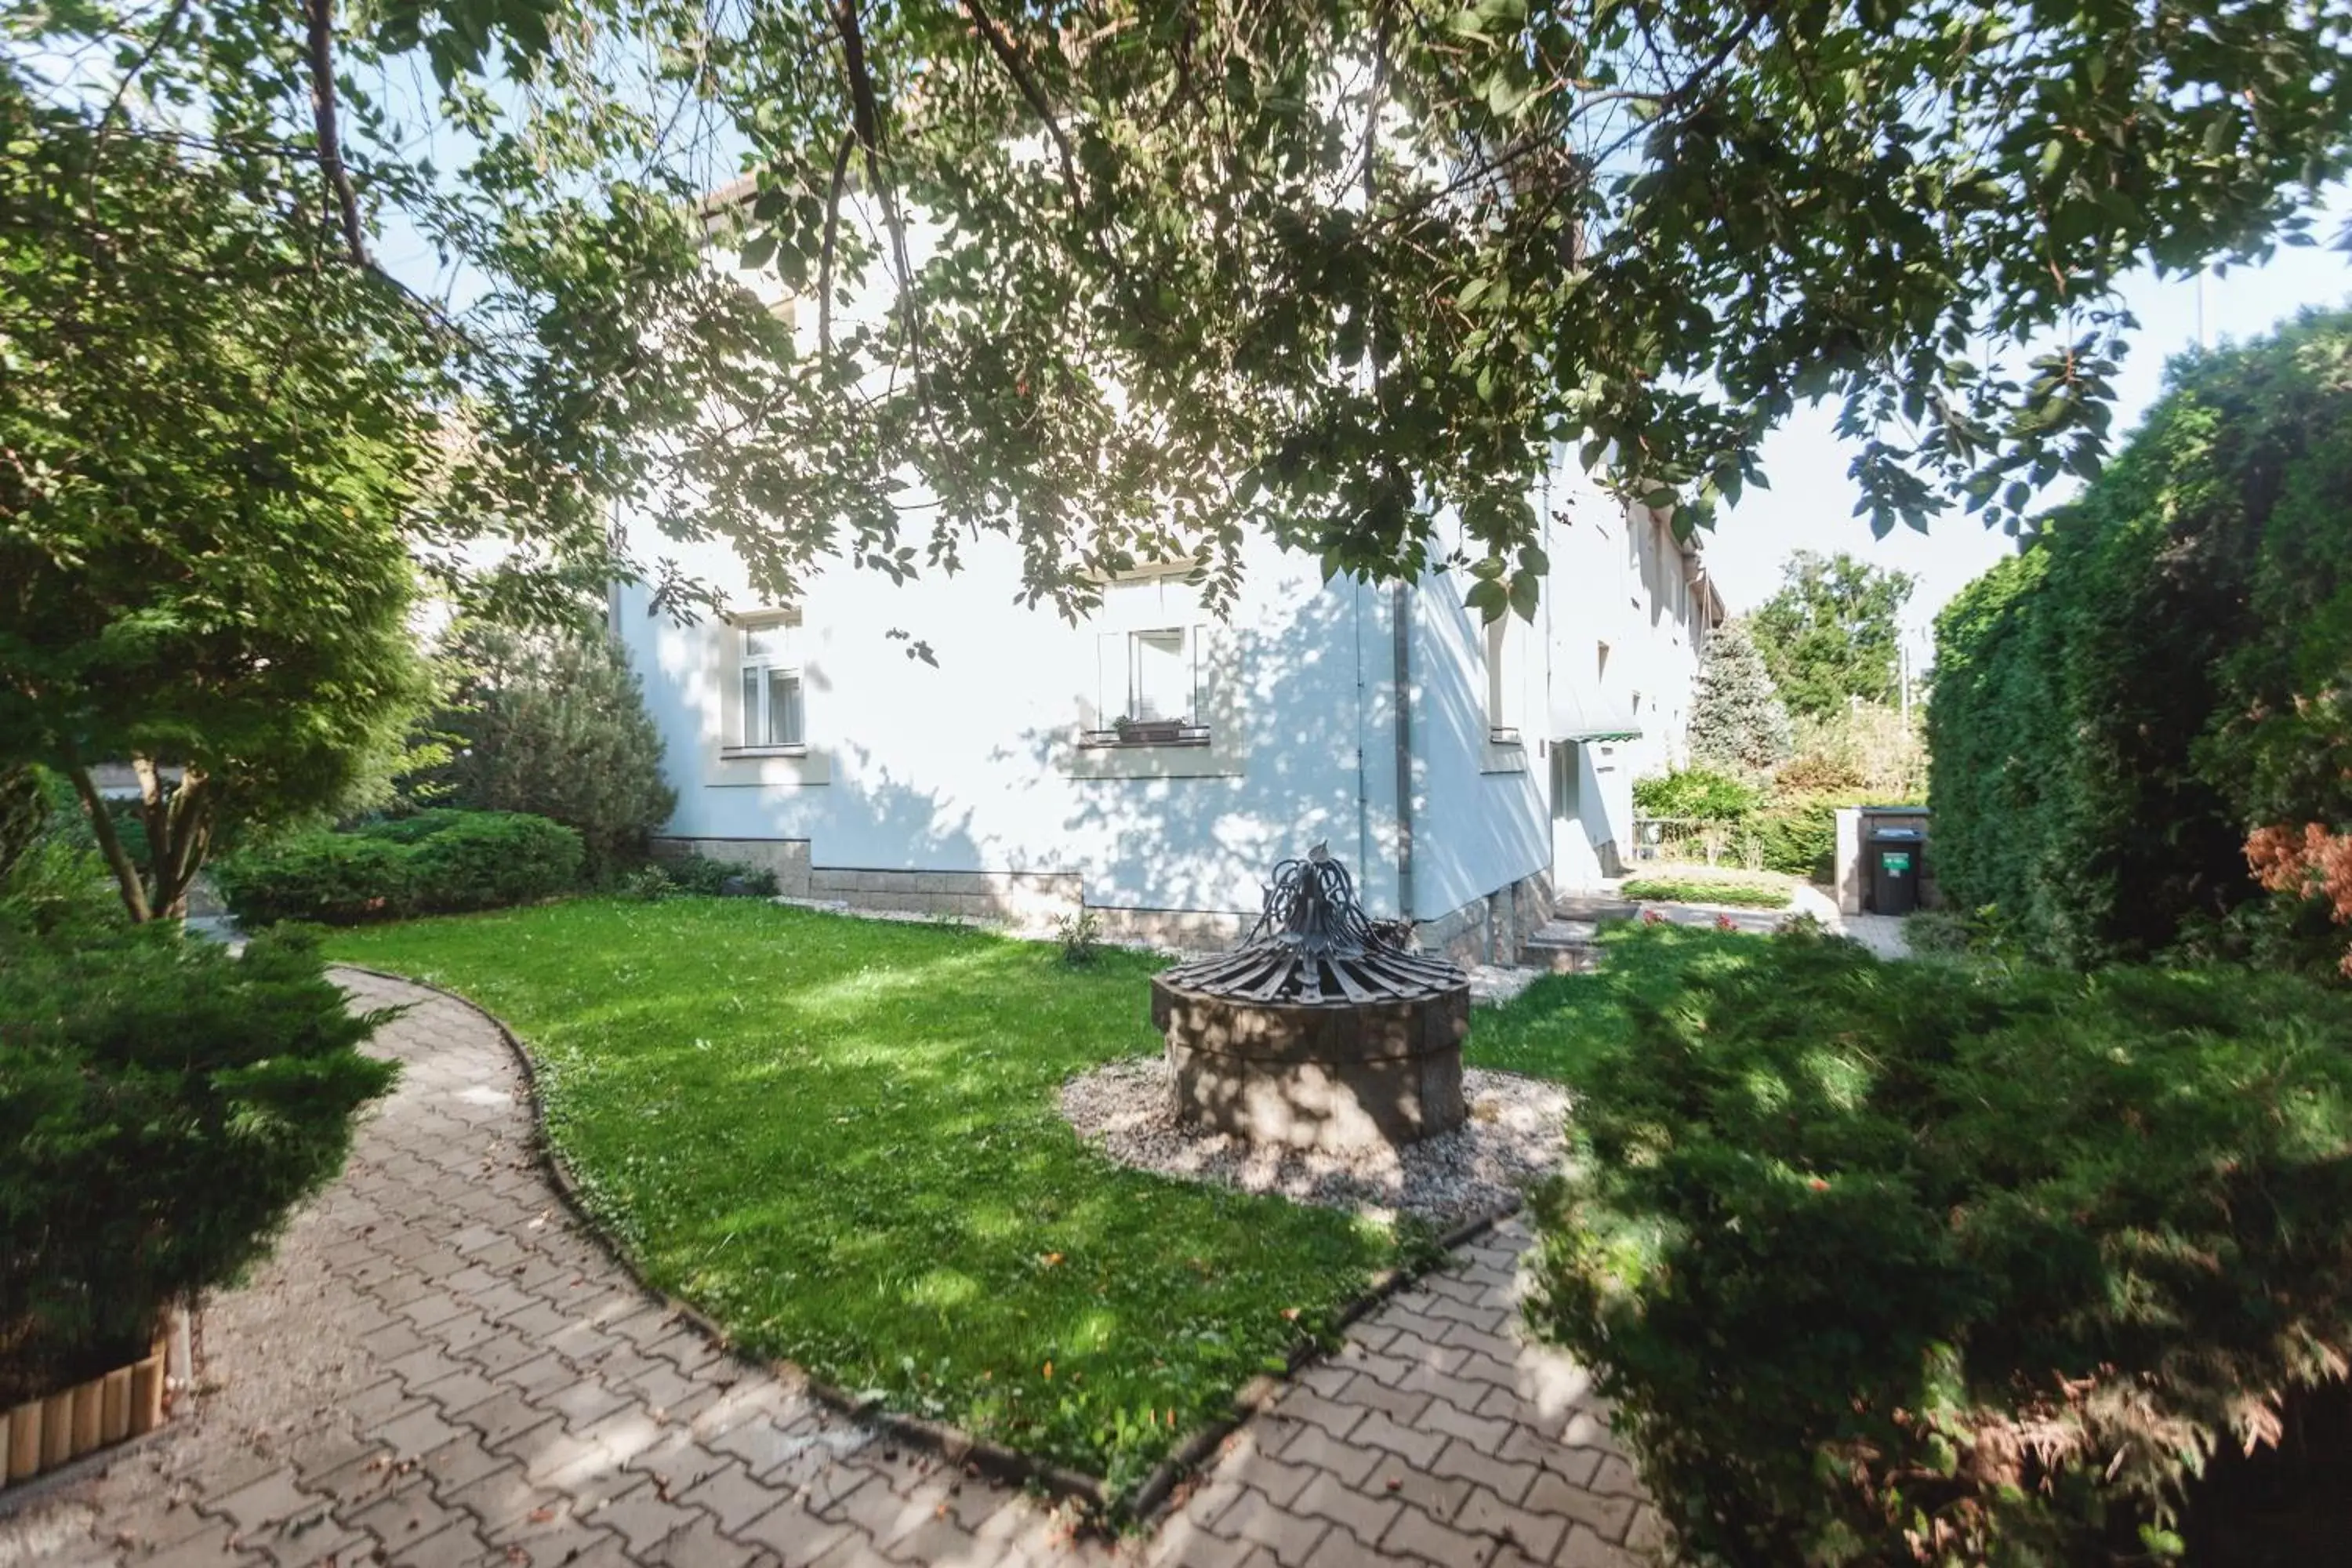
x: 1736, y: 720
x: 1831, y: 633
x: 555, y: 723
x: 203, y: 566
x: 1335, y: 268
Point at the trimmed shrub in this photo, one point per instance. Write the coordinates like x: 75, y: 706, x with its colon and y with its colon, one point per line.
x: 1951, y: 1263
x: 1697, y: 795
x: 334, y: 879
x: 164, y: 1105
x: 2163, y: 671
x: 437, y: 862
x: 488, y: 859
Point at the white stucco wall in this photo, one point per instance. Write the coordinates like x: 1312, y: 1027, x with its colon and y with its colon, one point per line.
x: 973, y: 765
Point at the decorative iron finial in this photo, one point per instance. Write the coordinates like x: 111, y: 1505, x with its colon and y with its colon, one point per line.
x: 1313, y: 944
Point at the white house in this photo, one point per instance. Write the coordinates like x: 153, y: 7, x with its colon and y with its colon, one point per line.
x: 1001, y: 784
x: 1461, y: 772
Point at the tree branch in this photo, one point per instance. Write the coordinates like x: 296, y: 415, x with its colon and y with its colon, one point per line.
x: 319, y: 14
x: 1000, y: 44
x: 865, y: 119
x: 825, y: 255
x: 109, y: 843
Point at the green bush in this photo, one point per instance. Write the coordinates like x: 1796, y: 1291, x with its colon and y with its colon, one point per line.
x: 2163, y: 671
x: 437, y: 862
x: 555, y: 724
x: 1696, y: 794
x: 1969, y: 1264
x: 488, y: 859
x: 699, y: 874
x: 164, y: 1105
x: 1795, y: 835
x: 334, y: 879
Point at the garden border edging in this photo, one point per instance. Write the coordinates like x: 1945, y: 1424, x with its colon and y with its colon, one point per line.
x: 952, y: 1444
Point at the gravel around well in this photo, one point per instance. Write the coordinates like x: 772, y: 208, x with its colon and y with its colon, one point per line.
x: 1515, y: 1135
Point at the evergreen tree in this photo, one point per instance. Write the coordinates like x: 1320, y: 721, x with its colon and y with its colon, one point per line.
x: 1737, y: 718
x: 555, y: 723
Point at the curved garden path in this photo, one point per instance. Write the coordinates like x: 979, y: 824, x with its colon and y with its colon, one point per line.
x: 439, y: 1368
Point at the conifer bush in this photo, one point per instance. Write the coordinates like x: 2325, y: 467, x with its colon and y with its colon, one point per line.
x: 165, y: 1104
x: 435, y: 862
x: 1951, y: 1263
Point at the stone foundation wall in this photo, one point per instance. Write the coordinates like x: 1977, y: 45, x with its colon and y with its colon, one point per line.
x: 1491, y: 929
x: 1185, y: 931
x: 1029, y: 901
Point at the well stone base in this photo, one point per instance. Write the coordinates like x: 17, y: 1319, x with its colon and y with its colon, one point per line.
x: 1330, y: 1078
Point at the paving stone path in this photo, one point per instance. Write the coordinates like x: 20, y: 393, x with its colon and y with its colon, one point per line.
x: 439, y: 1368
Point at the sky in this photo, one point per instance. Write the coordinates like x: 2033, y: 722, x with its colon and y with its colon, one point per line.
x: 1810, y: 503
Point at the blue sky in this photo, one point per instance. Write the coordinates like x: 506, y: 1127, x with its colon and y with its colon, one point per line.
x: 1810, y: 503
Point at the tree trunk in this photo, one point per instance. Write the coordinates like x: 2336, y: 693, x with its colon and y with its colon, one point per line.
x: 109, y: 843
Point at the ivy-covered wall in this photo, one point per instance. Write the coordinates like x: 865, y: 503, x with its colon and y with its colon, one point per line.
x: 2163, y: 670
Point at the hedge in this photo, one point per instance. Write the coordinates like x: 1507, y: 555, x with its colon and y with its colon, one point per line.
x: 165, y: 1104
x: 2163, y: 671
x: 1959, y: 1263
x: 436, y: 862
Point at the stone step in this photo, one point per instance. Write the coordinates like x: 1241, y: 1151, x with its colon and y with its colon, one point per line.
x: 1563, y: 946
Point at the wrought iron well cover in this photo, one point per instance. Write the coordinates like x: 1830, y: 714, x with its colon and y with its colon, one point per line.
x: 1313, y: 946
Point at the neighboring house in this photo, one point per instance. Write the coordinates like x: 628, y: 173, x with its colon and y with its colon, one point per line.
x: 1002, y: 783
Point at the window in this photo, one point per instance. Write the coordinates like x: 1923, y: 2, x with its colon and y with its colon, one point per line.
x: 1151, y: 665
x: 772, y: 715
x: 1152, y: 686
x: 1602, y: 668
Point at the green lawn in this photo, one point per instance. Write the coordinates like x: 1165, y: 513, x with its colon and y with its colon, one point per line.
x: 840, y: 1138
x: 1559, y: 1024
x: 1709, y: 887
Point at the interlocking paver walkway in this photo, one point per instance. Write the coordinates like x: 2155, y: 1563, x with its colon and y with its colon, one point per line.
x: 439, y: 1368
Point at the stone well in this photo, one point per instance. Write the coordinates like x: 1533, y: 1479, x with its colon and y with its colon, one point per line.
x: 1318, y: 1032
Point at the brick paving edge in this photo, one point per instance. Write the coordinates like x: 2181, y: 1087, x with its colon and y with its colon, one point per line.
x: 953, y: 1444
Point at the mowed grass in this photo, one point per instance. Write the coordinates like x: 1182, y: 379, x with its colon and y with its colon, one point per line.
x: 841, y: 1139
x: 1752, y: 892
x: 1561, y: 1024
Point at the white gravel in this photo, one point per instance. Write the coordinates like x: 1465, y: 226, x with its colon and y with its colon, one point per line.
x: 1514, y: 1134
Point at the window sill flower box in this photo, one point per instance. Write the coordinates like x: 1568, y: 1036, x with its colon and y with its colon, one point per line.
x: 1148, y: 732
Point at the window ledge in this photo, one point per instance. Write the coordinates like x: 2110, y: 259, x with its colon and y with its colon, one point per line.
x: 728, y: 753
x: 1112, y: 739
x: 1501, y: 735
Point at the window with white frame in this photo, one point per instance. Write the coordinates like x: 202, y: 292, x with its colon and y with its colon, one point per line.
x: 771, y: 714
x: 1151, y: 665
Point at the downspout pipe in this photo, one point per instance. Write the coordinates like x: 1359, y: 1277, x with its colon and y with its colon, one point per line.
x: 1401, y: 624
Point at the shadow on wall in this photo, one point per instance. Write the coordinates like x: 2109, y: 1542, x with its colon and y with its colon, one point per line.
x: 1315, y: 764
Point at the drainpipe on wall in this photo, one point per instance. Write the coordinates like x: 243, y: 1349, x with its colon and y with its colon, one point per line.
x: 1363, y: 774
x: 1402, y: 607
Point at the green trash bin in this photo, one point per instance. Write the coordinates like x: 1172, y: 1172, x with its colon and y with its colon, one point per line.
x: 1894, y: 855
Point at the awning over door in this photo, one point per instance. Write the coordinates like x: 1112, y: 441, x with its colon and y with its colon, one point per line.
x: 1592, y: 716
